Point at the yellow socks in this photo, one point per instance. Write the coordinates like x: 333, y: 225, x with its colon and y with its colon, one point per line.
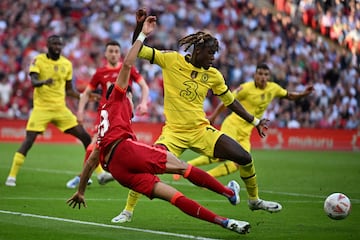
x: 98, y: 170
x: 223, y: 169
x: 202, y: 160
x: 248, y: 175
x: 18, y: 161
x: 132, y: 200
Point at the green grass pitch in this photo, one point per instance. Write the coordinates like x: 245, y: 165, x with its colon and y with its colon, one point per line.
x: 299, y: 180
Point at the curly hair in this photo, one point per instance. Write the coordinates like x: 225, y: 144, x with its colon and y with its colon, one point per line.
x: 199, y: 39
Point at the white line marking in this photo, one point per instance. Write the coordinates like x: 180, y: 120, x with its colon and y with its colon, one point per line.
x: 107, y: 225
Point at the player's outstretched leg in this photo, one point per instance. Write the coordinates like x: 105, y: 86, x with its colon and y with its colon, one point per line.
x: 199, y: 161
x: 203, y: 179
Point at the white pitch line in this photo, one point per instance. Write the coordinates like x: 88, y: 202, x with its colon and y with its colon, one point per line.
x: 107, y: 225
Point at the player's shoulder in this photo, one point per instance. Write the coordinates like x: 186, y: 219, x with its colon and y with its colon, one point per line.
x: 271, y: 84
x: 169, y: 55
x: 40, y: 56
x: 64, y: 60
x: 169, y: 51
x: 214, y: 71
x: 101, y: 70
x: 246, y: 86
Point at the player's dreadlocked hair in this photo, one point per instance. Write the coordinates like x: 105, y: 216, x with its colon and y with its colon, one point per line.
x: 200, y: 39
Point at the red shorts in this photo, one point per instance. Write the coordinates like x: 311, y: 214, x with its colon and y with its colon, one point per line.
x: 135, y: 165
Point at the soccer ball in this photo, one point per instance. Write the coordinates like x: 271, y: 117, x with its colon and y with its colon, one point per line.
x: 337, y: 206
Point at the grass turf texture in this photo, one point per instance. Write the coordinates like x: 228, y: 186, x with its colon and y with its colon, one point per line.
x: 299, y: 180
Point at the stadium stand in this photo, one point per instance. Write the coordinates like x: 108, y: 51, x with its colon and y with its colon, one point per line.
x: 248, y: 34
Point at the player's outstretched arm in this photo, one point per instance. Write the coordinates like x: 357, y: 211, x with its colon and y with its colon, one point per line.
x: 261, y: 125
x: 78, y: 198
x: 123, y: 78
x: 84, y: 98
x: 297, y: 95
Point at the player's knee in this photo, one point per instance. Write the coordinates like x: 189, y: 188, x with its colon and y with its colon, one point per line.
x: 244, y: 158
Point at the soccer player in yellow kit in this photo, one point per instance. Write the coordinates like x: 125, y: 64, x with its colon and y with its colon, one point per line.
x: 255, y: 96
x: 51, y: 77
x: 187, y: 80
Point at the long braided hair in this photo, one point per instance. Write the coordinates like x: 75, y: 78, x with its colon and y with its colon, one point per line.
x: 199, y: 39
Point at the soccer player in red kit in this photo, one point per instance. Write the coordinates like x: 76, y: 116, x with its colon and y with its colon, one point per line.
x: 103, y: 78
x: 135, y: 165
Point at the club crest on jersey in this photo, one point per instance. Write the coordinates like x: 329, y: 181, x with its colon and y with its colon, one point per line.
x: 56, y: 68
x: 194, y: 74
x: 262, y: 96
x: 204, y: 78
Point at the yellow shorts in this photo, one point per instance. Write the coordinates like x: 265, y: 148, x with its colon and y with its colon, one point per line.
x: 201, y: 140
x: 62, y: 118
x: 239, y: 131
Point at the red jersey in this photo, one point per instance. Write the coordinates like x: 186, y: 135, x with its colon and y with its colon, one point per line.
x: 115, y: 121
x: 105, y: 75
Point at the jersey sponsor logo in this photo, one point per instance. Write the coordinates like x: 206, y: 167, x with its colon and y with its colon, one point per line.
x: 190, y: 92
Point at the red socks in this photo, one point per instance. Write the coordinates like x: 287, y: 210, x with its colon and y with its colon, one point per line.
x: 203, y: 179
x: 194, y: 209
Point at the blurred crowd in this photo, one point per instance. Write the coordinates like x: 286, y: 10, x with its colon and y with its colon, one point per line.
x: 248, y: 34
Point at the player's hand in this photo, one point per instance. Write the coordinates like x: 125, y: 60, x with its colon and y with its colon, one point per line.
x: 262, y: 126
x: 149, y: 25
x: 142, y: 109
x: 309, y: 89
x: 76, y: 199
x: 141, y: 15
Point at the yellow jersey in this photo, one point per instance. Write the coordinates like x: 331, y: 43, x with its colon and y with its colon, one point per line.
x: 185, y: 88
x: 256, y: 100
x: 51, y: 97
